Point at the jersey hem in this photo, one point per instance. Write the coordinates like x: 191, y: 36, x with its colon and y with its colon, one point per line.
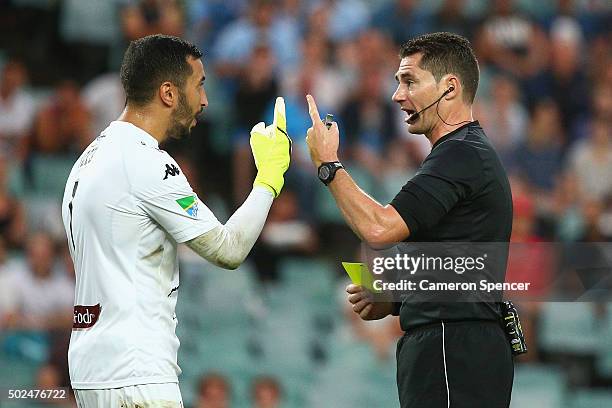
x: 123, y: 383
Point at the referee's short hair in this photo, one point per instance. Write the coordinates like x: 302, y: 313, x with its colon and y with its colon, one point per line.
x: 152, y: 60
x: 446, y: 53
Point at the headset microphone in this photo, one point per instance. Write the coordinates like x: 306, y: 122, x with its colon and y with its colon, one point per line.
x: 415, y: 115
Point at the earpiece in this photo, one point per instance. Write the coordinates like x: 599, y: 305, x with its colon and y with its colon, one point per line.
x: 450, y: 89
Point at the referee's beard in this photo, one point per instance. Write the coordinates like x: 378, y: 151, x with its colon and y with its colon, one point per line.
x: 181, y: 119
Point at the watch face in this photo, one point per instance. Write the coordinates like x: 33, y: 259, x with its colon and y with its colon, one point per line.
x: 324, y: 173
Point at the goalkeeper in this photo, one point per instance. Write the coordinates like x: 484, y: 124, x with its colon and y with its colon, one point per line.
x: 127, y: 205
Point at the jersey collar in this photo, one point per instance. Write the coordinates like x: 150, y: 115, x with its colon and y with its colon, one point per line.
x: 448, y: 135
x: 136, y: 132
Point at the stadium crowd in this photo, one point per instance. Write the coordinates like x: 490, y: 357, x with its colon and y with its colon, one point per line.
x: 545, y: 99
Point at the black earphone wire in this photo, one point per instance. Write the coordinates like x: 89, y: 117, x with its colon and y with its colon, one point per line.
x: 438, y: 112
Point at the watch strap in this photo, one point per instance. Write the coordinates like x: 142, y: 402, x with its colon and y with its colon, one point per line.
x: 333, y: 167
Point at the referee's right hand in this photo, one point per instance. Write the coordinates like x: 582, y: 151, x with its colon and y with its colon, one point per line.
x: 363, y: 303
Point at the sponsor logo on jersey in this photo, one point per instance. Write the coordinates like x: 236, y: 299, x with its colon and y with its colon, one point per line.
x: 189, y: 205
x: 171, y: 170
x: 85, y: 316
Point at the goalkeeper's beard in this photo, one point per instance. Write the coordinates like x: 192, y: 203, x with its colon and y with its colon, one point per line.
x: 180, y: 119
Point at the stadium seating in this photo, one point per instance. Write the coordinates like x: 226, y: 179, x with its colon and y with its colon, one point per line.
x: 591, y: 399
x: 538, y: 386
x: 569, y: 328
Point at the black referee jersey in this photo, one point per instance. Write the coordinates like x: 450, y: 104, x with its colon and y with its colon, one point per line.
x: 460, y: 193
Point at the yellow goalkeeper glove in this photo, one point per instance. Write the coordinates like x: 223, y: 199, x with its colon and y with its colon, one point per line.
x: 271, y: 147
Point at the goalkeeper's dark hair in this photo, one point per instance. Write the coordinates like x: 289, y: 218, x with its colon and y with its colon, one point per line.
x: 446, y: 53
x: 152, y: 60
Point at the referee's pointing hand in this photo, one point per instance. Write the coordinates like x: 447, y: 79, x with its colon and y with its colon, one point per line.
x: 322, y: 142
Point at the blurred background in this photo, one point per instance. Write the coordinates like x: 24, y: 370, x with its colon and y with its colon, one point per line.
x: 277, y: 332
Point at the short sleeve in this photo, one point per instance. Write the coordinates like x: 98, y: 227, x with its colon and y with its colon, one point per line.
x: 452, y: 172
x: 164, y: 194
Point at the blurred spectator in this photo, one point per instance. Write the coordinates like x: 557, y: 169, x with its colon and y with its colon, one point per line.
x: 266, y: 392
x: 318, y: 22
x: 6, y: 300
x: 104, y: 98
x: 88, y: 30
x: 602, y: 98
x: 367, y: 114
x: 12, y: 212
x: 512, y: 42
x: 205, y: 19
x: 591, y: 162
x: 505, y: 116
x: 592, y: 212
x: 17, y: 110
x: 344, y: 19
x: 43, y: 293
x: 401, y: 20
x: 213, y: 392
x: 565, y: 80
x: 451, y: 17
x: 300, y: 175
x: 566, y: 17
x: 567, y: 209
x: 145, y: 17
x: 374, y: 45
x: 323, y: 78
x: 294, y: 13
x: 399, y: 164
x: 367, y: 120
x: 598, y: 61
x: 600, y: 108
x: 585, y: 17
x: 49, y: 377
x: 260, y: 25
x: 257, y: 88
x: 538, y: 159
x: 63, y: 124
x: 283, y: 235
x: 524, y: 229
x: 605, y: 221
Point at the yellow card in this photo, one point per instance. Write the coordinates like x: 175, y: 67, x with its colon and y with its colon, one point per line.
x: 360, y: 275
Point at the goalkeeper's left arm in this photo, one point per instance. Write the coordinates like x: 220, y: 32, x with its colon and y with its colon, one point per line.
x: 228, y: 245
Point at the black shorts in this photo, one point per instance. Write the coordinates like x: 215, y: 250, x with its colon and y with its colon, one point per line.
x: 455, y: 364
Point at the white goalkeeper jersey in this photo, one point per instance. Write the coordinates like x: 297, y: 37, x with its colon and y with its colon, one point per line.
x: 126, y: 206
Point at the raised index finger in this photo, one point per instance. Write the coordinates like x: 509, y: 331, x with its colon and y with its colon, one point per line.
x: 313, y: 111
x: 280, y: 119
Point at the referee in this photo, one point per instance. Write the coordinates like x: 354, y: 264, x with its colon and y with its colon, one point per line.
x: 452, y: 354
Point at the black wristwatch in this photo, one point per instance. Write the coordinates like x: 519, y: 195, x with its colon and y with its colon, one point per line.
x: 327, y: 171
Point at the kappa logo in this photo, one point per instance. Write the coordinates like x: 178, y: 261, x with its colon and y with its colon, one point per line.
x: 189, y: 204
x: 171, y: 170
